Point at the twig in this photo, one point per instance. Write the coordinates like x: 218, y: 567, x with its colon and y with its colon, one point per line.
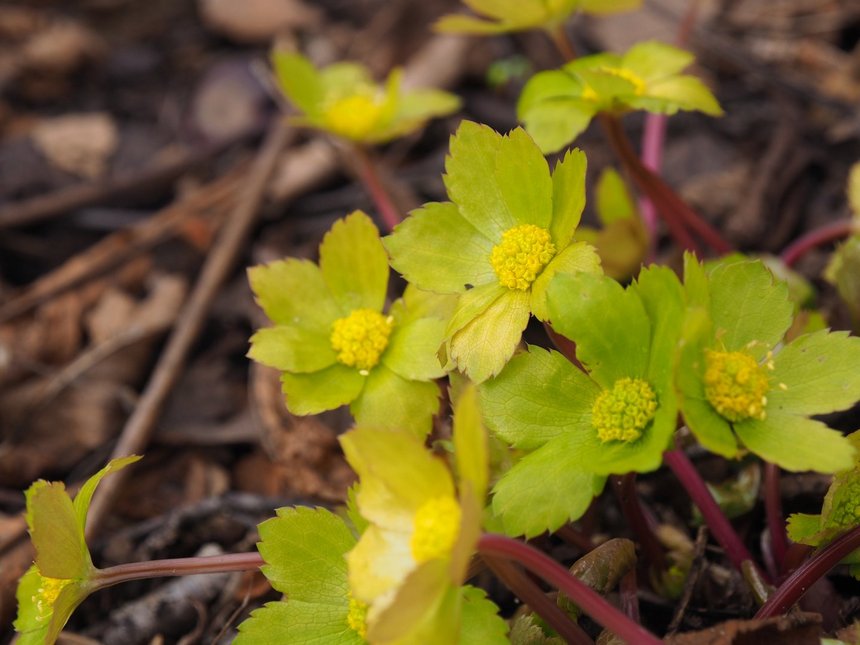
x: 798, y: 583
x: 141, y: 424
x: 537, y: 600
x: 696, y: 568
x: 592, y: 603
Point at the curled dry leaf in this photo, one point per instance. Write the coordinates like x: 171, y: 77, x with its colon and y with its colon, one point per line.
x: 80, y: 144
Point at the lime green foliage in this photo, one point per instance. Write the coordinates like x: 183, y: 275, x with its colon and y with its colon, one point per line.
x: 63, y: 574
x: 733, y: 382
x: 344, y: 100
x: 843, y: 272
x: 501, y: 16
x: 410, y: 563
x: 304, y: 550
x: 507, y: 231
x: 556, y: 106
x: 839, y: 513
x: 333, y: 340
x: 622, y: 241
x: 577, y: 427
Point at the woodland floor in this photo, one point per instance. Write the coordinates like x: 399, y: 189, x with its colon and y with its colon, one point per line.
x: 128, y: 138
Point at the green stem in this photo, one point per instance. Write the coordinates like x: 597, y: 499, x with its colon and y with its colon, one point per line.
x: 178, y: 567
x: 592, y: 603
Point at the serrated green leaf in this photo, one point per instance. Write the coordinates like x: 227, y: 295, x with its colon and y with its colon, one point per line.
x: 556, y: 122
x: 654, y: 60
x: 538, y: 396
x: 669, y: 95
x: 293, y: 292
x: 41, y: 619
x: 749, y: 309
x: 436, y: 249
x: 579, y: 256
x: 85, y: 493
x: 354, y: 263
x: 320, y: 391
x: 802, y: 526
x: 56, y: 532
x: 480, y: 620
x: 294, y: 349
x: 526, y: 631
x: 304, y: 551
x: 413, y: 347
x: 608, y: 324
x: 711, y: 430
x: 470, y: 444
x: 796, y: 443
x: 662, y: 296
x: 816, y: 373
x: 417, y: 303
x: 497, y: 181
x: 483, y: 346
x: 568, y: 196
x: 843, y: 272
x: 545, y: 489
x: 297, y: 623
x: 391, y: 401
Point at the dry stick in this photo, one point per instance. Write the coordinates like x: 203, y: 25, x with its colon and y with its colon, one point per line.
x: 46, y: 207
x: 119, y: 247
x: 527, y: 591
x: 140, y: 426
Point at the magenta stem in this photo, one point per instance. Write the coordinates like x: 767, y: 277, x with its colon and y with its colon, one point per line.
x: 641, y: 525
x: 592, y: 603
x: 369, y: 175
x: 775, y: 519
x: 827, y: 233
x: 716, y: 520
x: 653, y: 138
x: 178, y: 567
x: 798, y: 583
x: 538, y: 601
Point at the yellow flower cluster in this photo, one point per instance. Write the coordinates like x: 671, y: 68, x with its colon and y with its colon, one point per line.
x: 622, y: 412
x: 521, y: 255
x: 361, y: 337
x: 735, y: 385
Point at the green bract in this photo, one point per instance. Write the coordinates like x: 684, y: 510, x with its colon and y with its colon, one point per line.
x: 518, y: 15
x: 344, y: 100
x: 577, y: 427
x: 839, y: 513
x: 305, y: 551
x: 333, y: 342
x: 734, y: 380
x: 63, y: 574
x: 556, y: 106
x: 505, y: 233
x: 410, y: 563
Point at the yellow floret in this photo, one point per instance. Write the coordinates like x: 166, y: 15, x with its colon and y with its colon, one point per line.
x: 735, y: 385
x: 436, y: 526
x: 46, y: 595
x: 521, y: 255
x: 353, y: 117
x: 360, y: 338
x: 357, y: 616
x: 622, y: 412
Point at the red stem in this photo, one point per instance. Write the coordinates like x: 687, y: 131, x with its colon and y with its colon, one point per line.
x: 798, y: 583
x: 592, y: 603
x: 178, y: 567
x: 369, y: 175
x: 717, y: 522
x: 528, y: 592
x: 641, y: 525
x: 827, y: 233
x: 775, y: 519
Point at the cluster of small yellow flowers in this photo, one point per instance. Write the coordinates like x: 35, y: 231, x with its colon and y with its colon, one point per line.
x: 361, y: 337
x: 735, y: 385
x: 622, y: 412
x: 354, y: 116
x: 46, y: 595
x: 521, y: 255
x: 357, y: 616
x: 436, y: 527
x: 638, y: 84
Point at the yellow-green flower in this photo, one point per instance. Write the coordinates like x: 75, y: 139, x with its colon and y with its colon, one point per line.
x: 410, y: 563
x: 505, y: 233
x: 334, y: 341
x: 344, y: 100
x: 503, y: 16
x: 63, y: 574
x: 557, y: 105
